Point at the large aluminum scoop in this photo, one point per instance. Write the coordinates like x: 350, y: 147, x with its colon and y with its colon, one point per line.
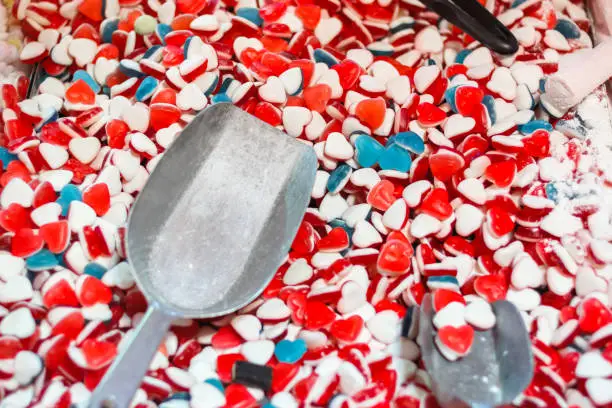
x: 497, y: 369
x: 209, y: 229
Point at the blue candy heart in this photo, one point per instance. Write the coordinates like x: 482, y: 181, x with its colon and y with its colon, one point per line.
x: 395, y: 158
x: 94, y: 269
x: 42, y: 260
x: 368, y: 150
x: 146, y: 88
x: 450, y: 96
x: 489, y: 102
x: 251, y: 14
x: 410, y: 141
x: 533, y: 125
x: 287, y: 351
x: 84, y: 75
x: 68, y: 194
x: 338, y: 178
x: 568, y: 28
x: 6, y: 157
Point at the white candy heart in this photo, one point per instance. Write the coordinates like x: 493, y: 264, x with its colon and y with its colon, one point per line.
x: 526, y: 273
x: 554, y: 39
x: 273, y: 309
x: 353, y: 297
x: 273, y: 91
x: 191, y: 97
x: 46, y: 213
x: 16, y: 289
x: 258, y: 351
x: 505, y: 256
x: 247, y: 326
x: 587, y: 282
x: 525, y: 299
x: 365, y: 235
x: 399, y: 89
x: 111, y: 176
x: 10, y: 266
x: 206, y: 395
x: 395, y: 216
x: 600, y: 390
x: 338, y: 147
x: 469, y: 219
x: 383, y: 71
x: 84, y: 149
x: 424, y: 225
x: 331, y: 78
x: 457, y: 125
x: 332, y: 206
x: 59, y: 53
x: 414, y: 192
x: 298, y: 272
x: 592, y: 365
x: 474, y: 190
x: 207, y: 22
x: 52, y: 86
x: 315, y: 128
x: 295, y: 118
x: 502, y: 83
x: 292, y: 80
x: 32, y: 50
x: 49, y: 37
x: 16, y: 191
x: 479, y: 314
x: 558, y: 282
x: 528, y: 74
x: 480, y: 56
x: 80, y: 215
x: 126, y: 162
x: 425, y: 76
x: 385, y: 326
x: 560, y: 222
x: 370, y: 84
x: 165, y: 137
x: 137, y: 117
x: 242, y: 43
x: 18, y: 323
x: 428, y: 40
x: 28, y: 366
x: 166, y: 13
x: 83, y: 50
x: 361, y: 56
x: 327, y: 30
x: 103, y: 68
x: 450, y: 315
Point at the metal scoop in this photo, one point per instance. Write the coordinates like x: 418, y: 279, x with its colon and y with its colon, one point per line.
x: 209, y: 229
x: 498, y: 367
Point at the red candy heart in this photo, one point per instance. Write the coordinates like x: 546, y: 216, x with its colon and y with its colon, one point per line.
x: 371, y: 112
x: 395, y: 257
x: 15, y: 217
x: 382, y: 195
x: 56, y: 235
x: 347, y: 329
x: 226, y: 338
x: 337, y: 240
x: 443, y: 297
x: 98, y: 354
x: 436, y: 204
x: 467, y: 98
x: 91, y: 291
x: 501, y: 173
x: 317, y: 97
x: 458, y: 339
x: 593, y: 315
x: 318, y: 315
x: 97, y: 197
x: 491, y: 287
x: 499, y: 221
x: 80, y: 92
x: 445, y: 163
x: 429, y: 115
x: 26, y: 242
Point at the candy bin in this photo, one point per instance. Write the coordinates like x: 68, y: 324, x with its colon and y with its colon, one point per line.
x: 442, y: 171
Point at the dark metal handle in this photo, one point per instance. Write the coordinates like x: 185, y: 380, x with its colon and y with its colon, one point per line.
x: 474, y: 19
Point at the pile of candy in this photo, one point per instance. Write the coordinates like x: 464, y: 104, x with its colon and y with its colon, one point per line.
x: 439, y: 172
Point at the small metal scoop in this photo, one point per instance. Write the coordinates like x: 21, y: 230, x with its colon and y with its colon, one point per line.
x: 498, y: 367
x: 208, y: 231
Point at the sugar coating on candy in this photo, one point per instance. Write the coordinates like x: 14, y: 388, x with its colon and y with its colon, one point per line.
x: 438, y: 173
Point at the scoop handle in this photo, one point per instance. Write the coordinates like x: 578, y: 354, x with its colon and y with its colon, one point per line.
x: 123, y: 378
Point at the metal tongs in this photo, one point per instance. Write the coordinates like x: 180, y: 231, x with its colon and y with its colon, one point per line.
x: 475, y: 20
